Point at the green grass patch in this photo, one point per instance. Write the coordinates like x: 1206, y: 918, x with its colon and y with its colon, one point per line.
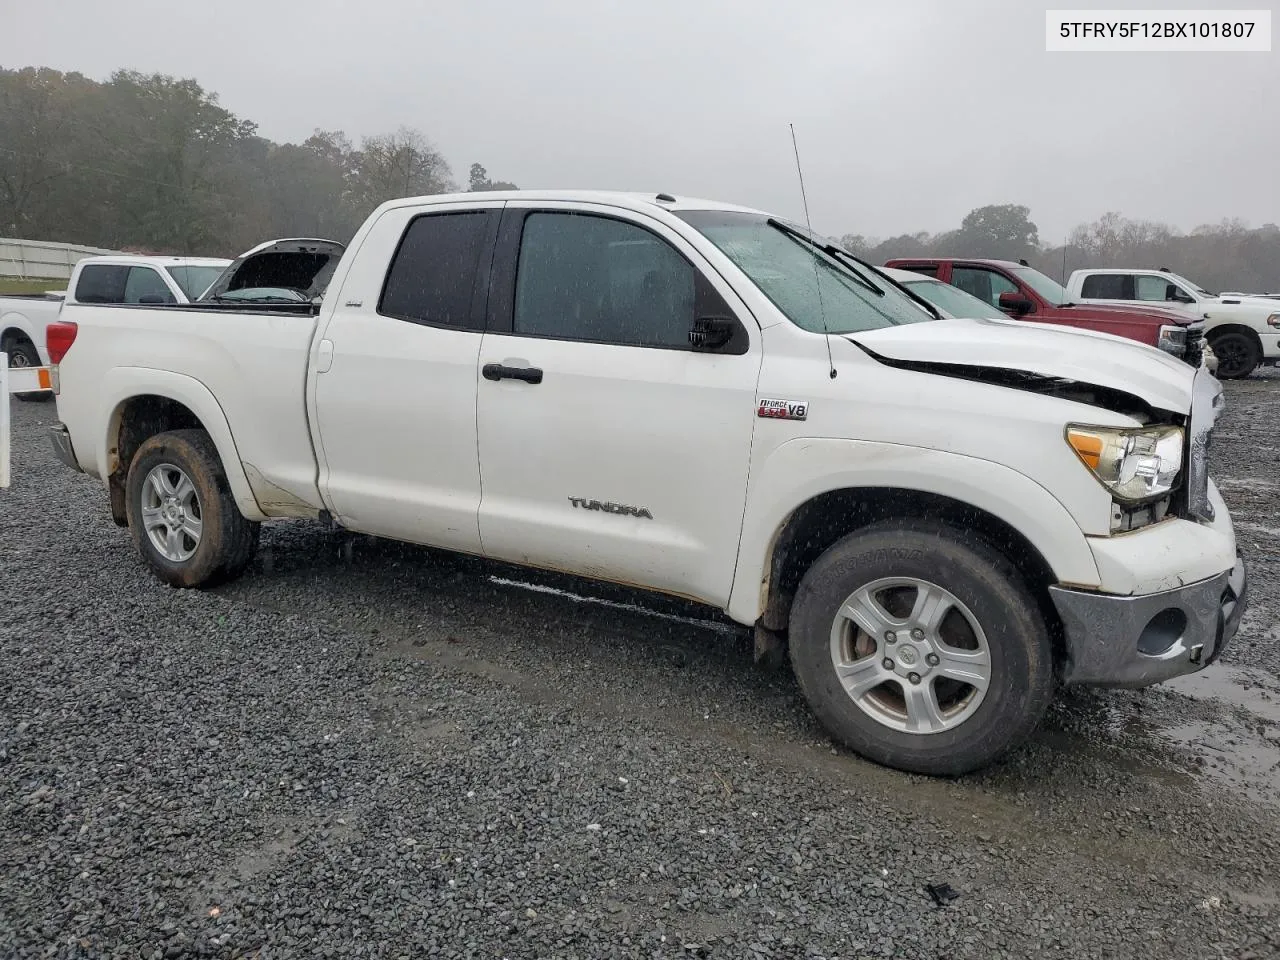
x: 28, y: 285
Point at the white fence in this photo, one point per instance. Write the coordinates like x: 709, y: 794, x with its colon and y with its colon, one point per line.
x: 40, y: 258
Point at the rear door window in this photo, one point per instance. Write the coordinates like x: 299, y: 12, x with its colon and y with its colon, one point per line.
x: 1107, y: 286
x: 101, y: 283
x: 432, y: 276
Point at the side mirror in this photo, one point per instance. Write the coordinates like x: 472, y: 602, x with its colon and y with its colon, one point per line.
x: 711, y: 333
x: 1015, y: 303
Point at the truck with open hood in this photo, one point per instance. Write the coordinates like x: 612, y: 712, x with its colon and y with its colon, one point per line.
x: 937, y: 518
x: 294, y: 270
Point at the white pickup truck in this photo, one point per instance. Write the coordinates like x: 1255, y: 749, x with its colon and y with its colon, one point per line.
x: 1243, y: 331
x: 110, y: 279
x: 936, y: 516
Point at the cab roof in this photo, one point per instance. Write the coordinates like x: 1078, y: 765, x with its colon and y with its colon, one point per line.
x: 983, y: 261
x: 627, y: 200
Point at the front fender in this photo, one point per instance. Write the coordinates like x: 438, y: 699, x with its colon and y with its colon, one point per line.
x: 801, y: 469
x: 122, y: 384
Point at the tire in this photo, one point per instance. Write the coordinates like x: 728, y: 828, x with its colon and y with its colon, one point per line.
x: 1238, y: 354
x: 226, y: 541
x: 972, y: 728
x: 23, y: 353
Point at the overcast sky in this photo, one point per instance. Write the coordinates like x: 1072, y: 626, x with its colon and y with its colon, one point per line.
x: 908, y: 114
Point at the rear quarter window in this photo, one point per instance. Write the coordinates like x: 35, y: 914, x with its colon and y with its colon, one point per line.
x: 101, y: 283
x: 1107, y: 286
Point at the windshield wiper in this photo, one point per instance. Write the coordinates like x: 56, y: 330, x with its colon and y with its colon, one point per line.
x: 829, y: 249
x: 847, y: 259
x: 937, y: 314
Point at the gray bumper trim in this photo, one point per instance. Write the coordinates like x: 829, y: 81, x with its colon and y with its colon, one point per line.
x: 1102, y: 630
x: 60, y: 439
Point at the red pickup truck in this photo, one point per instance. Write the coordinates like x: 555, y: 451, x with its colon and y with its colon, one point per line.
x: 1025, y: 293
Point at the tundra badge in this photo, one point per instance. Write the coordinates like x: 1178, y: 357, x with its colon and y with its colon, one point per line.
x: 783, y: 409
x: 608, y: 507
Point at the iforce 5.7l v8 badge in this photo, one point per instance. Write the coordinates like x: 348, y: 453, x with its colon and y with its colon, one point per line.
x: 783, y: 409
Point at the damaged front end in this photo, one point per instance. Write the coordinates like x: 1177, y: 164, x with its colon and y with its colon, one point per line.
x: 1193, y: 410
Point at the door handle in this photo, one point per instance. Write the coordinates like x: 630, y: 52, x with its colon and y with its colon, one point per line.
x: 496, y: 371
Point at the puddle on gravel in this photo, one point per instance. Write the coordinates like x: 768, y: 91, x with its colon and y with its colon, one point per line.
x: 1240, y: 745
x: 1247, y: 762
x: 1231, y: 685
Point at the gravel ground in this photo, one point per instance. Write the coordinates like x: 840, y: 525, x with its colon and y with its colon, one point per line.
x: 405, y: 754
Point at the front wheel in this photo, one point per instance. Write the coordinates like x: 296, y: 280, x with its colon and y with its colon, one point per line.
x: 919, y: 647
x: 1238, y: 355
x: 181, y: 512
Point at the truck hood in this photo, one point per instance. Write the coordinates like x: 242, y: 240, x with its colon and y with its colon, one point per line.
x: 1230, y: 300
x: 297, y: 263
x: 1157, y: 314
x: 983, y: 349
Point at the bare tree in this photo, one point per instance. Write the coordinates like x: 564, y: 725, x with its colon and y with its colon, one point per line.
x: 400, y: 164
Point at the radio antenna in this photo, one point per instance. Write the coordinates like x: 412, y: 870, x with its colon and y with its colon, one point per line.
x: 817, y: 280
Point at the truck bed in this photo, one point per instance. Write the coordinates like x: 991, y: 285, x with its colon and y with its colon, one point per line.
x: 244, y: 366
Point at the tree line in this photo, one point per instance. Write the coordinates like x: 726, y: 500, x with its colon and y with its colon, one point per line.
x: 156, y: 163
x: 1223, y: 256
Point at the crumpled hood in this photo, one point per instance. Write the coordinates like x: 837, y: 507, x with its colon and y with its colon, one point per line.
x: 1097, y: 359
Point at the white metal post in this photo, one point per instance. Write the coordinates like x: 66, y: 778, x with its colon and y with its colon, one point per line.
x: 4, y: 420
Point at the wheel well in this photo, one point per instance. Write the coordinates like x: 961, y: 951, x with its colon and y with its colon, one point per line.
x: 138, y: 420
x: 11, y: 335
x: 1225, y: 328
x: 818, y: 523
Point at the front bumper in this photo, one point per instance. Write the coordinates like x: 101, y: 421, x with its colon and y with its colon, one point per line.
x: 1135, y: 641
x: 60, y: 439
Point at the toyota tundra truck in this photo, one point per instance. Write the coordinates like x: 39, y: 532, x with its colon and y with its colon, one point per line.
x: 939, y: 519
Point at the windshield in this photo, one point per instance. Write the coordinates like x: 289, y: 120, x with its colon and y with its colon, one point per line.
x: 194, y: 280
x: 1051, y: 290
x: 263, y: 293
x: 1192, y: 286
x: 952, y: 300
x: 816, y: 292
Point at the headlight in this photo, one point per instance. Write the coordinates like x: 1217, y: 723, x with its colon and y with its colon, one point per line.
x: 1173, y: 340
x: 1135, y: 465
x: 1273, y: 320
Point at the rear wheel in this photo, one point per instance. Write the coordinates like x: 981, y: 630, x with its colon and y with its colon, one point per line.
x: 919, y: 647
x: 181, y: 512
x: 1238, y: 355
x: 23, y: 354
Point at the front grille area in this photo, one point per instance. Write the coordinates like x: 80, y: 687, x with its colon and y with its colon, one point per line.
x: 1195, y: 345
